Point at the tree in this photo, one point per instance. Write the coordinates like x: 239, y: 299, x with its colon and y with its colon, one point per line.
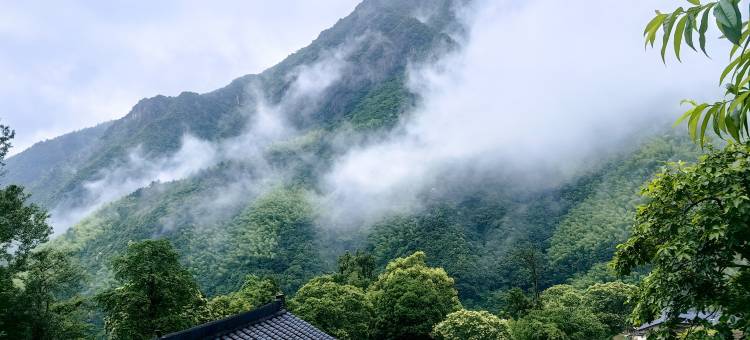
x: 561, y: 295
x: 728, y: 116
x: 410, y: 298
x: 157, y: 295
x: 52, y: 307
x: 694, y: 234
x: 23, y: 226
x: 610, y: 302
x: 561, y: 315
x: 255, y: 292
x: 515, y: 303
x: 6, y: 135
x: 357, y: 270
x: 341, y: 310
x: 471, y: 325
x: 558, y: 322
x: 531, y: 261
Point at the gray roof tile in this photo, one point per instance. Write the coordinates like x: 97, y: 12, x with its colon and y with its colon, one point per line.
x: 269, y: 322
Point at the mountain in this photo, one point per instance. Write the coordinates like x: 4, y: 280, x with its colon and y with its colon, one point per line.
x: 380, y: 35
x: 233, y: 177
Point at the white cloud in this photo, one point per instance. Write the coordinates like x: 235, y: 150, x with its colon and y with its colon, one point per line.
x: 267, y: 125
x: 540, y: 87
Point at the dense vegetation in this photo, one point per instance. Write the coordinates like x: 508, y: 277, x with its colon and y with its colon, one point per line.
x: 484, y: 257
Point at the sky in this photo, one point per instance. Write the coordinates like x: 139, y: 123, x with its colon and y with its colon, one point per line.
x: 537, y: 84
x: 67, y: 65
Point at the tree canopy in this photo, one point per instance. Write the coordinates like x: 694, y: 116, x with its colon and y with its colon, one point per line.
x: 340, y: 310
x: 50, y: 301
x: 255, y: 292
x: 156, y: 295
x: 410, y: 297
x: 562, y: 315
x: 471, y: 325
x: 694, y: 234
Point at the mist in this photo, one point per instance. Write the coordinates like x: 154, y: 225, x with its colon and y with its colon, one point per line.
x: 267, y: 124
x: 536, y: 92
x: 539, y: 90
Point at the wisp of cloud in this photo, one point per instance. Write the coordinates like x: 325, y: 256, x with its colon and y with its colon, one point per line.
x: 538, y: 89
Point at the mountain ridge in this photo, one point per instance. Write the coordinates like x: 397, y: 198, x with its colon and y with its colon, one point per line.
x: 257, y: 210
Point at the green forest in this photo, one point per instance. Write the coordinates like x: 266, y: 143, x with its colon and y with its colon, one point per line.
x: 652, y: 230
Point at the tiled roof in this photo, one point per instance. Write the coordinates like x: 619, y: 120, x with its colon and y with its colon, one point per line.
x: 684, y: 318
x: 271, y: 321
x: 283, y: 325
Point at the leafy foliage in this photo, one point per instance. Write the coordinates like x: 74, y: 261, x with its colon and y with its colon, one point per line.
x: 49, y: 302
x: 590, y: 231
x: 410, y: 297
x: 156, y: 295
x: 471, y: 325
x: 23, y: 227
x: 514, y: 303
x: 693, y: 232
x: 38, y: 287
x: 275, y: 236
x: 340, y: 310
x: 254, y: 293
x: 611, y: 304
x: 6, y: 135
x: 356, y: 270
x: 728, y: 116
x: 562, y: 316
x: 382, y: 107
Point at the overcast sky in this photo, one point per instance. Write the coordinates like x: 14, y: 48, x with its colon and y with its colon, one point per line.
x: 66, y: 65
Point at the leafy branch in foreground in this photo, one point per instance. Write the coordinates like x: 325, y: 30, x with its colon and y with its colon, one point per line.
x: 728, y: 116
x: 693, y: 233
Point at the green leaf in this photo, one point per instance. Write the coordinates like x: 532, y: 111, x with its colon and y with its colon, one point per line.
x: 693, y: 124
x: 722, y: 120
x: 738, y: 100
x: 712, y: 112
x: 743, y: 83
x: 678, y: 36
x: 654, y: 23
x: 729, y: 21
x: 741, y: 75
x: 682, y: 118
x: 689, y: 27
x: 702, y: 30
x: 651, y: 34
x: 703, y: 129
x: 694, y: 2
x: 743, y: 119
x: 736, y: 48
x: 731, y: 66
x: 668, y: 25
x: 732, y: 126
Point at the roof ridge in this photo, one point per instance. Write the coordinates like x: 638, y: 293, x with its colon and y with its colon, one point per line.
x: 230, y: 323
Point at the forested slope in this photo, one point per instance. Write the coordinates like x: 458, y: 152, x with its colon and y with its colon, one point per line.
x: 254, y: 206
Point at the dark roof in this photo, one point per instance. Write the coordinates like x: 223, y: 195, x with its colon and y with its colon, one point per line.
x: 271, y: 321
x: 685, y: 318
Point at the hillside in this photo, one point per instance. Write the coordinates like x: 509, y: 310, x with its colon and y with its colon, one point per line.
x: 233, y: 177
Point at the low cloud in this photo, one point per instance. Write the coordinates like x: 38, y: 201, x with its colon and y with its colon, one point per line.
x: 267, y: 125
x: 538, y: 90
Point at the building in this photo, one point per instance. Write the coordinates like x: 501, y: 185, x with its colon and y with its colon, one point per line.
x: 686, y: 319
x: 271, y: 321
